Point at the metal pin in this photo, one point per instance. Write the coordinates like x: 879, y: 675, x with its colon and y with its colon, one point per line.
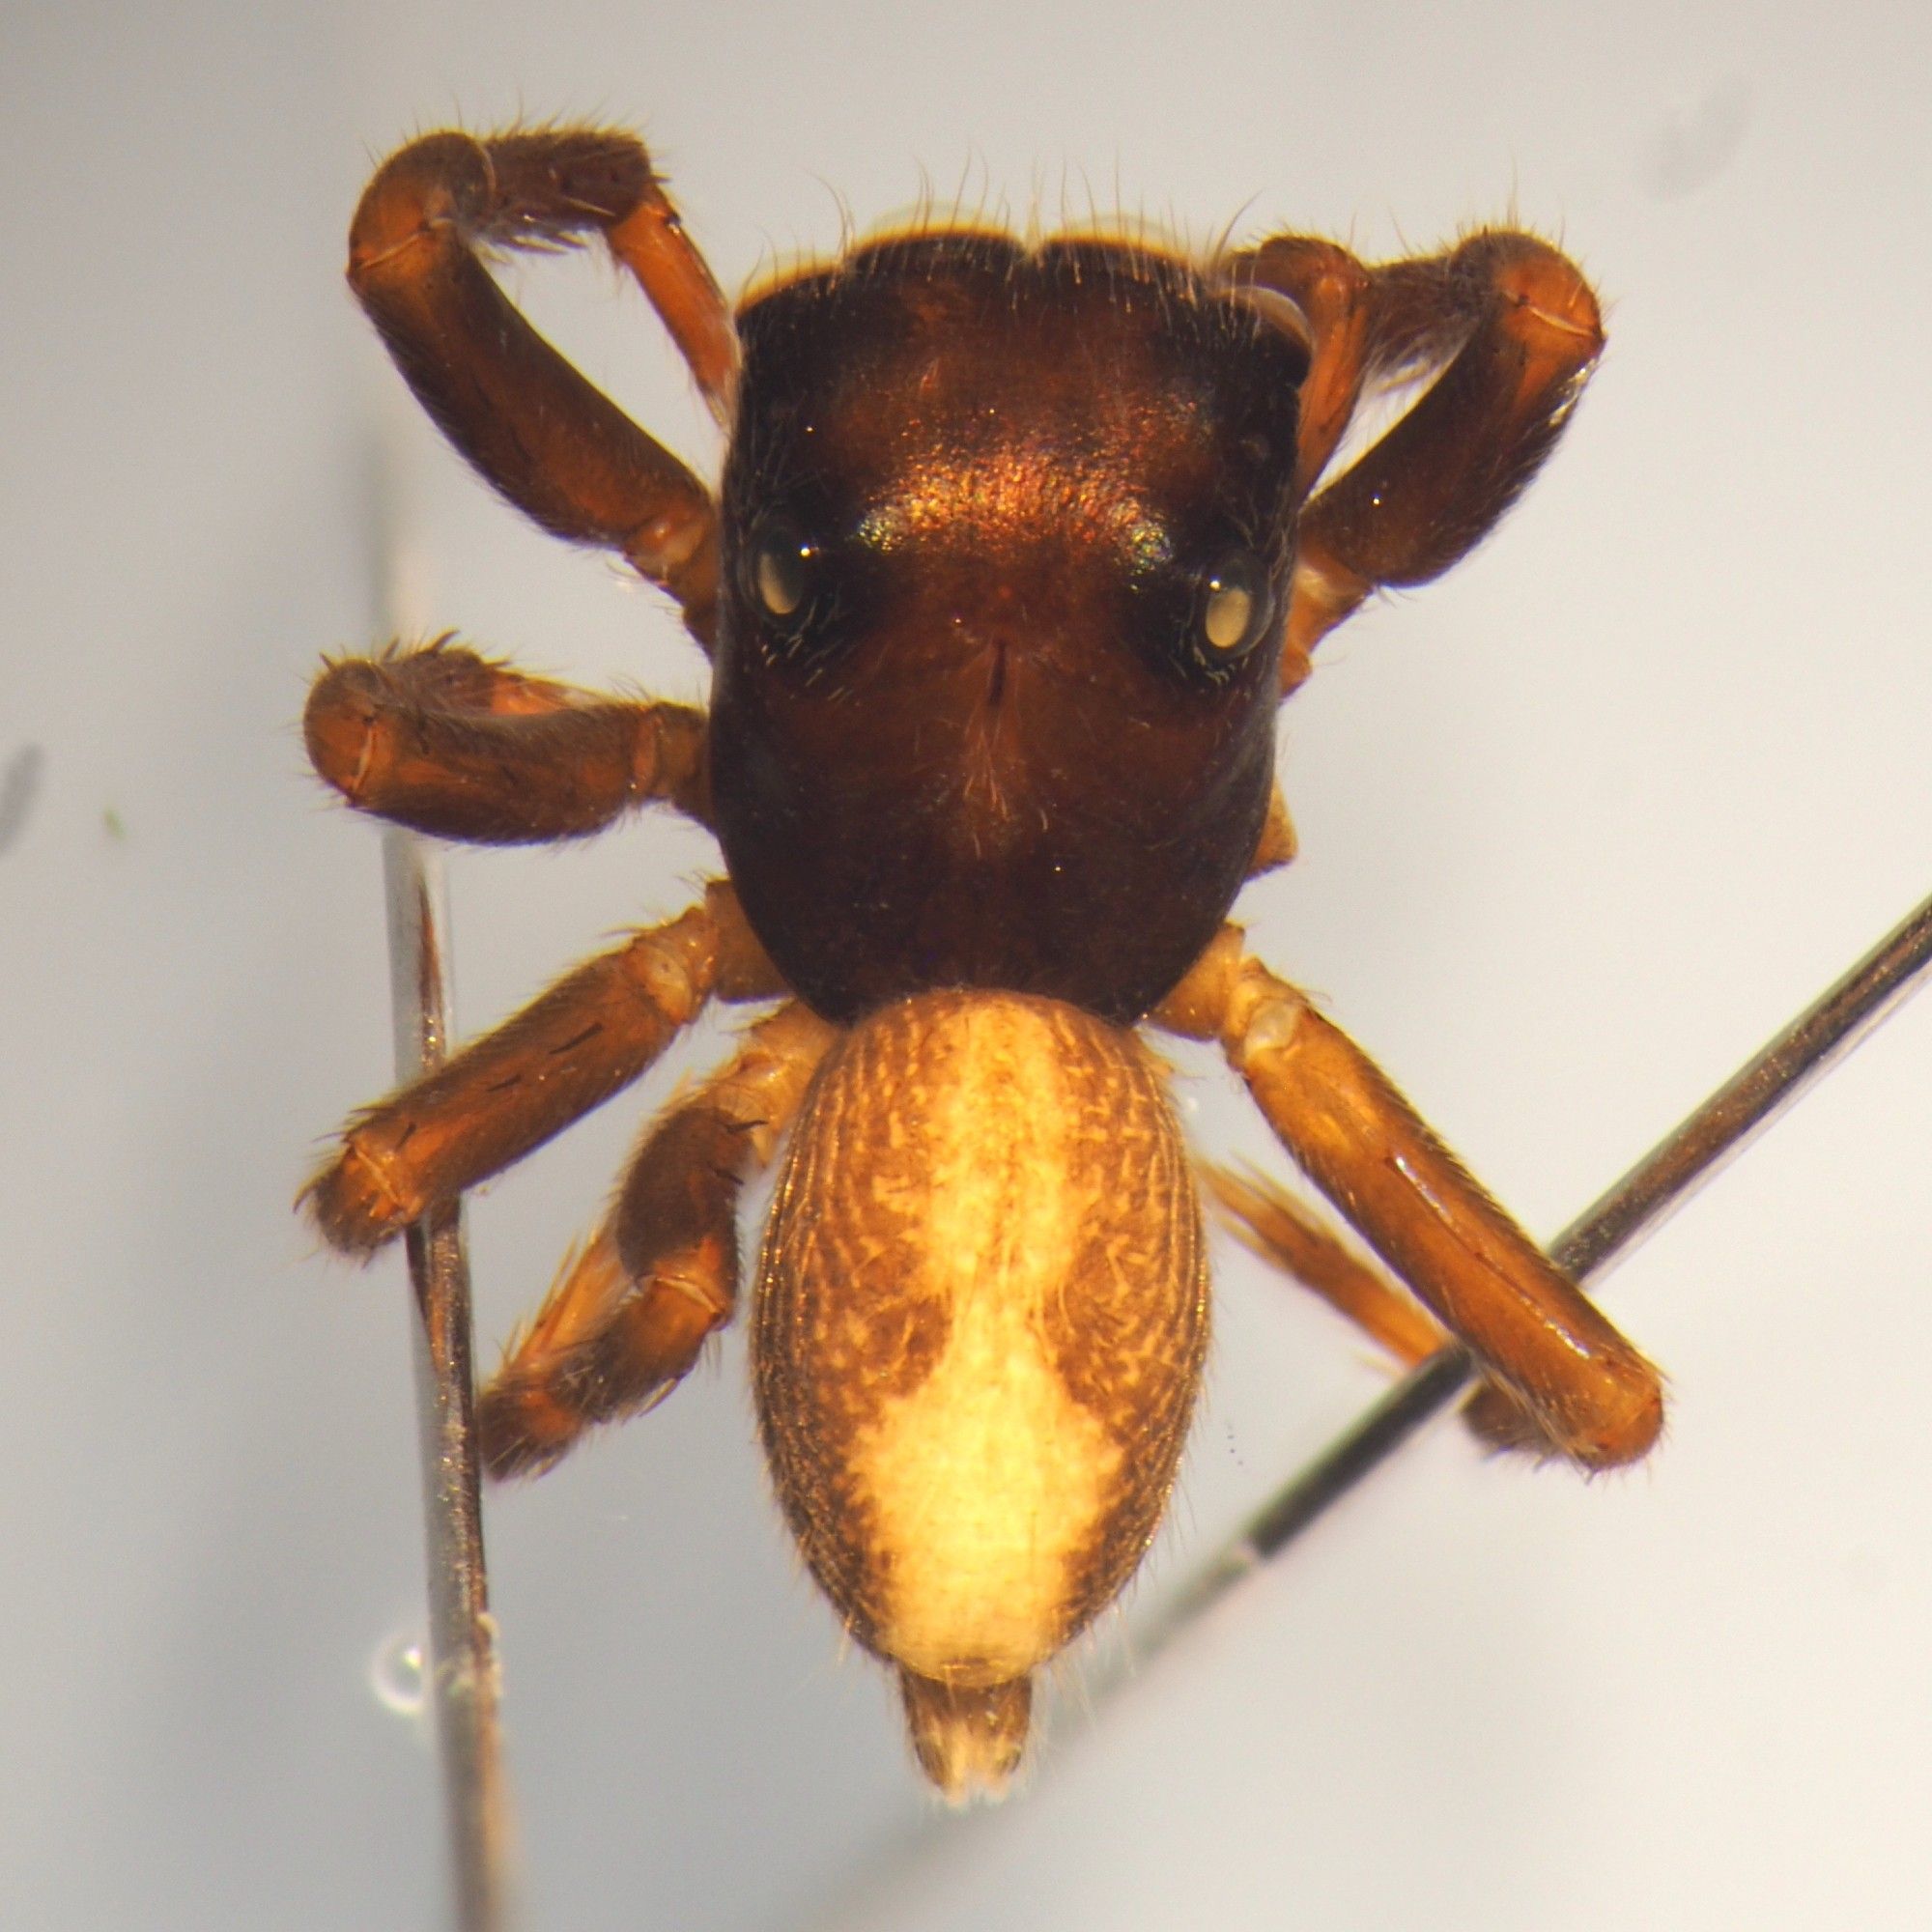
x: 461, y: 1668
x: 461, y: 1676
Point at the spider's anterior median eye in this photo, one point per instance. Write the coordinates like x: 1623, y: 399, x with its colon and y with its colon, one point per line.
x: 782, y: 570
x: 1232, y: 608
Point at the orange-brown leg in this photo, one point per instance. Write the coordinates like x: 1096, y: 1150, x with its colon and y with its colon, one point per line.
x: 1277, y: 843
x: 546, y: 438
x: 1514, y: 330
x: 626, y: 1321
x: 1590, y: 1392
x: 1285, y: 1235
x: 452, y: 744
x: 592, y: 1032
x: 1331, y: 288
x: 1273, y: 1225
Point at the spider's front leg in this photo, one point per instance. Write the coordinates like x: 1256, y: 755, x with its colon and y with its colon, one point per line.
x: 444, y: 741
x: 1591, y: 1394
x: 535, y: 428
x: 1514, y: 331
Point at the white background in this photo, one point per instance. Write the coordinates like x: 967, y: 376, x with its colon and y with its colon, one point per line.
x: 1580, y: 826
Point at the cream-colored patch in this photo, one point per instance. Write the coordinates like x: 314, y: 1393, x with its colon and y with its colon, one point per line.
x: 987, y: 1482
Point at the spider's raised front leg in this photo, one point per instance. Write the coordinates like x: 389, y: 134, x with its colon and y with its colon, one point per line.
x: 1590, y: 1392
x: 625, y: 1321
x: 592, y: 1034
x: 534, y: 428
x: 448, y: 743
x: 1511, y: 327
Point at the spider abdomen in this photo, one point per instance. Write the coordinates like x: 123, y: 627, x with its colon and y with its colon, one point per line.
x: 980, y: 1318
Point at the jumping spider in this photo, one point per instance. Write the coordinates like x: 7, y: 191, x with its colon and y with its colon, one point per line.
x: 1017, y: 549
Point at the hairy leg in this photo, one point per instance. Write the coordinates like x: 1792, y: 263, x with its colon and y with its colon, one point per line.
x: 1592, y: 1394
x: 625, y: 1321
x: 592, y: 1034
x: 535, y: 428
x: 1273, y: 1224
x: 1509, y: 331
x: 453, y: 744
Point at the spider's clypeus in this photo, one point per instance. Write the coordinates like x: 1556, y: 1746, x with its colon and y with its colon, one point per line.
x: 1016, y: 551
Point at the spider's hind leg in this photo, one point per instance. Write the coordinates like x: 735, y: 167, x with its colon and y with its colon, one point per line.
x: 628, y: 1315
x: 594, y: 1031
x: 1269, y: 1222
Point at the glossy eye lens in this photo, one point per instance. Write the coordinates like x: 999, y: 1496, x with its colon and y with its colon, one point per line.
x: 1233, y: 610
x: 783, y: 568
x: 1226, y: 614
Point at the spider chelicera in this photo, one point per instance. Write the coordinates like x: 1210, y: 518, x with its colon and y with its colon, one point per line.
x: 1016, y: 551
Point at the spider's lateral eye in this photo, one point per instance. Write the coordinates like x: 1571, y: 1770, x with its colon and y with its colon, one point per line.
x: 781, y: 572
x: 1226, y: 616
x: 784, y: 569
x: 1232, y: 608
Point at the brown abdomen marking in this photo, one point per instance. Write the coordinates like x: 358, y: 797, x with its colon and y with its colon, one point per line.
x: 980, y: 1324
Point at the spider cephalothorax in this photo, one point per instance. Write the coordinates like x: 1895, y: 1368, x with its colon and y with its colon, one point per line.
x: 1006, y: 538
